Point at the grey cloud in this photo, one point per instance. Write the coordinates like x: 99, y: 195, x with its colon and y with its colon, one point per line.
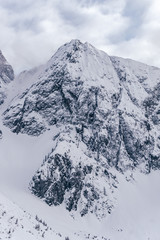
x: 16, y: 5
x: 32, y: 30
x: 31, y: 24
x: 70, y: 16
x: 135, y: 11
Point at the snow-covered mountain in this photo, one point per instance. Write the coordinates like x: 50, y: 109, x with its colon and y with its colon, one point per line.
x: 6, y: 76
x: 92, y: 125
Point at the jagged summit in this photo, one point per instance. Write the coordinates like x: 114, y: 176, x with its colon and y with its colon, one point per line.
x: 83, y: 61
x: 72, y: 56
x: 73, y: 50
x: 75, y: 45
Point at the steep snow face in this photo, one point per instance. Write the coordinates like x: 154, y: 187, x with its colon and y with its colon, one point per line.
x: 103, y: 113
x: 84, y: 62
x: 18, y: 224
x: 6, y: 76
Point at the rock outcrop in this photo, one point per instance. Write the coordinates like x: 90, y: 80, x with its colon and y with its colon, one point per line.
x: 6, y: 76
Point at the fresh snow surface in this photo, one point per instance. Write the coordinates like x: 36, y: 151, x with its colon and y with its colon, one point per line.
x: 16, y: 223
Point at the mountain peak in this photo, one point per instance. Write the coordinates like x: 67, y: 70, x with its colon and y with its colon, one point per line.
x: 81, y: 60
x: 74, y: 47
x: 75, y: 41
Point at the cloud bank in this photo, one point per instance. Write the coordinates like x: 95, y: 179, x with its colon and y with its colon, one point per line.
x: 31, y: 31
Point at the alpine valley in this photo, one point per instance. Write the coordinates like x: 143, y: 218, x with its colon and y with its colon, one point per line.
x: 80, y: 148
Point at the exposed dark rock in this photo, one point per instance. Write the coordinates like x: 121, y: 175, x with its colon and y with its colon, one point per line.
x: 1, y: 134
x: 58, y: 181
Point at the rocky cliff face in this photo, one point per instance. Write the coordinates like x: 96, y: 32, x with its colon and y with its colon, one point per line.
x: 6, y: 76
x: 104, y: 113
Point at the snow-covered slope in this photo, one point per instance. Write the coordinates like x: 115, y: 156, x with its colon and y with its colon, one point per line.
x: 18, y: 224
x: 90, y: 124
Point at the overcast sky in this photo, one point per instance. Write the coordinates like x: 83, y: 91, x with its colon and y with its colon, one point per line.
x: 31, y: 31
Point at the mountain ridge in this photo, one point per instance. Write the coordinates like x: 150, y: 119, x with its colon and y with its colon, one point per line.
x: 105, y: 117
x: 90, y: 124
